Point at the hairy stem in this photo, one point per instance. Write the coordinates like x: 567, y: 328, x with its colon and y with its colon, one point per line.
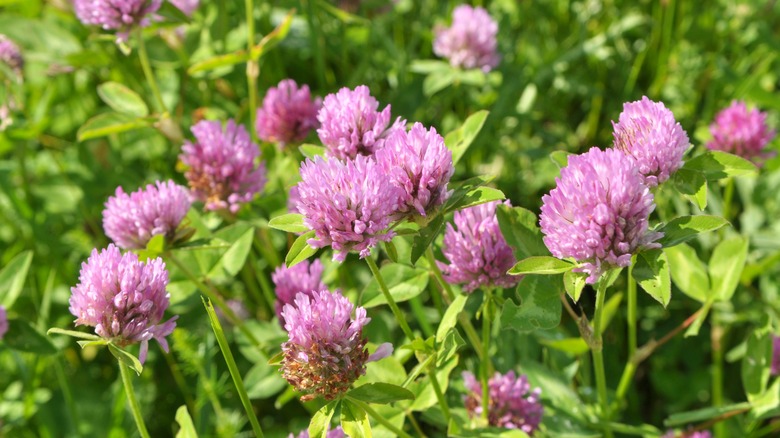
x: 390, y: 301
x: 134, y: 407
x: 147, y: 68
x: 598, y: 357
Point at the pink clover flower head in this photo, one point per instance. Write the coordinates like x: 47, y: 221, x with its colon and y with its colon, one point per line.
x: 132, y: 220
x: 3, y: 322
x: 477, y: 252
x: 690, y: 434
x: 326, y: 351
x: 740, y: 131
x: 224, y: 170
x: 471, y: 40
x: 288, y: 113
x: 123, y: 298
x: 292, y: 199
x: 120, y: 15
x: 338, y: 432
x: 598, y: 213
x: 349, y: 204
x: 350, y: 124
x: 303, y: 278
x: 186, y: 6
x: 647, y: 132
x: 512, y: 404
x: 10, y: 54
x: 420, y: 164
x: 775, y: 355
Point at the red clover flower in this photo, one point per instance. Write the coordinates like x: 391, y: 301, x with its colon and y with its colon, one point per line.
x: 10, y: 55
x: 123, y: 298
x: 288, y: 113
x: 512, y: 404
x: 303, y: 278
x: 740, y: 131
x: 471, y: 40
x: 120, y: 15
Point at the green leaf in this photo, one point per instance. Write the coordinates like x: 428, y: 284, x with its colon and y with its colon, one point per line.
x: 450, y: 318
x: 573, y: 346
x: 476, y: 196
x: 426, y: 66
x: 354, y: 420
x: 126, y: 358
x: 436, y: 82
x: 380, y: 393
x: 685, y: 228
x: 263, y: 381
x: 73, y: 333
x: 688, y: 272
x: 425, y: 237
x: 519, y: 228
x: 684, y: 418
x: 300, y: 250
x: 122, y: 99
x: 154, y: 248
x: 312, y: 150
x: 651, y: 271
x: 291, y: 223
x: 715, y: 165
x: 448, y: 347
x: 320, y: 421
x: 459, y: 140
x: 12, y: 278
x: 757, y: 363
x: 403, y: 282
x: 97, y: 343
x: 693, y: 185
x: 726, y: 263
x: 541, y: 265
x: 172, y: 14
x: 610, y: 309
x: 186, y: 427
x: 693, y: 329
x: 574, y: 282
x: 22, y: 336
x: 235, y: 257
x: 540, y: 306
x: 463, y: 188
x: 106, y: 124
x: 560, y: 158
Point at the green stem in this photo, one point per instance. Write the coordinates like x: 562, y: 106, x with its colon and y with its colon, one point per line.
x: 485, y: 361
x: 598, y: 357
x: 631, y: 312
x: 147, y: 68
x: 716, y: 337
x: 728, y: 195
x: 134, y: 407
x: 233, y: 368
x: 449, y: 295
x: 439, y: 394
x: 390, y: 301
x: 379, y: 419
x: 252, y: 66
x: 214, y: 296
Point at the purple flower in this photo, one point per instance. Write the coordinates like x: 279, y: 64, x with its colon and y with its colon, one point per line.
x: 132, y: 220
x: 223, y: 171
x: 647, y: 132
x: 512, y: 404
x: 477, y: 251
x: 351, y: 125
x: 775, y: 355
x: 123, y: 298
x: 3, y: 322
x: 471, y: 40
x: 420, y: 164
x: 326, y: 351
x: 292, y: 199
x: 186, y: 6
x: 10, y: 54
x: 121, y: 15
x: 338, y: 432
x: 288, y: 113
x: 598, y: 213
x: 691, y: 434
x: 740, y: 131
x: 302, y: 278
x: 349, y: 205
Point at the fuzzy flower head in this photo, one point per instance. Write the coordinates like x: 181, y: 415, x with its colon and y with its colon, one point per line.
x: 288, y: 113
x: 120, y: 15
x: 338, y: 432
x: 420, y: 164
x: 351, y: 124
x: 132, y: 220
x: 598, y: 213
x: 123, y: 298
x: 471, y: 40
x: 186, y: 6
x: 10, y: 55
x: 740, y: 131
x: 512, y: 404
x: 224, y: 171
x: 303, y: 278
x: 3, y: 322
x: 647, y: 132
x: 326, y: 351
x: 477, y: 251
x: 349, y: 204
